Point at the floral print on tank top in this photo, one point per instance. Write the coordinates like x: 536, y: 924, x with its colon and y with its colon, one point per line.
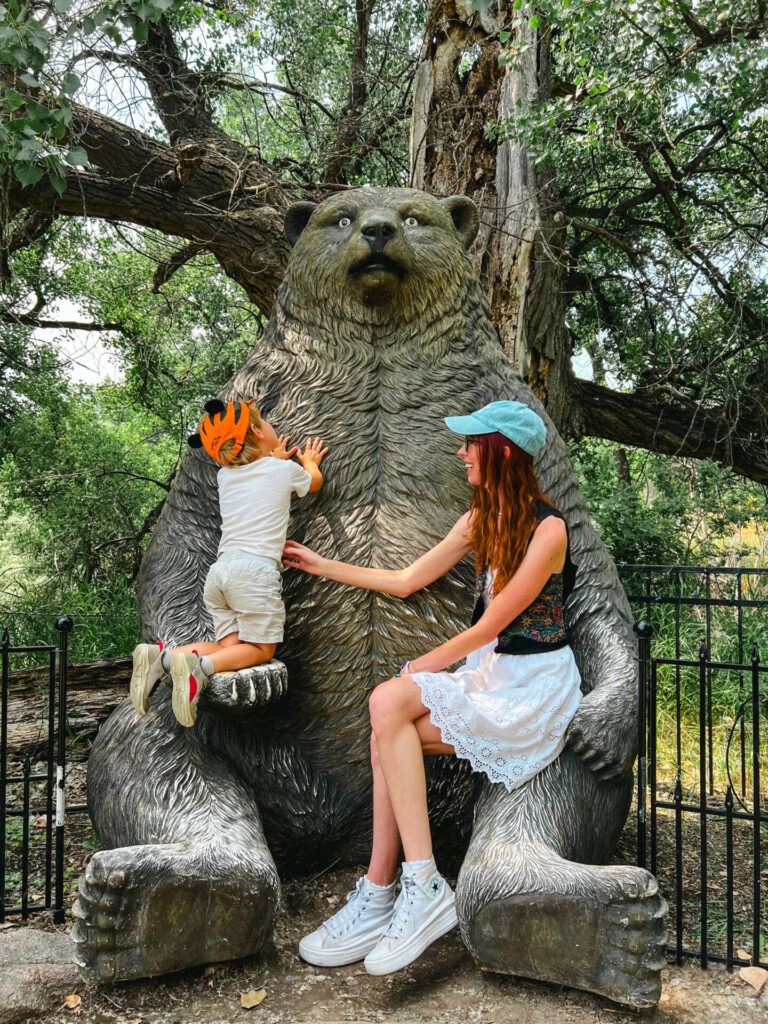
x: 542, y: 621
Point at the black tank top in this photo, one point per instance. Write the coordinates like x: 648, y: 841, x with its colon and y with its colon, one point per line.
x: 540, y: 626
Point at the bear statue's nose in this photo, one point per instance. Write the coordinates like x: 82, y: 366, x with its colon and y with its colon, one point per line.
x: 378, y: 229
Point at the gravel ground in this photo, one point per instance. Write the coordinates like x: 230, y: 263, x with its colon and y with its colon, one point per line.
x: 443, y: 986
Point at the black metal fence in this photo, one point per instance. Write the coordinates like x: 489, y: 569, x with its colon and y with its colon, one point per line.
x: 702, y: 808
x: 702, y: 813
x: 28, y: 793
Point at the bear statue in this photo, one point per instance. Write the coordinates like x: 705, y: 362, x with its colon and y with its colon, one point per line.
x: 379, y: 330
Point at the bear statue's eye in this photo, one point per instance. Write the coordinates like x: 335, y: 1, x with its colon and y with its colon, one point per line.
x: 411, y: 222
x: 344, y: 222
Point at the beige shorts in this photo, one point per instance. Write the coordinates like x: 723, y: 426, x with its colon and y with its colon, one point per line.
x: 243, y: 594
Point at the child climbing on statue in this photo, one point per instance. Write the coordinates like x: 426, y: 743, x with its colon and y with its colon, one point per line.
x: 242, y: 589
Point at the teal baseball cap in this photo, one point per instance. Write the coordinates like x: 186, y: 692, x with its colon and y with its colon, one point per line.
x: 512, y: 419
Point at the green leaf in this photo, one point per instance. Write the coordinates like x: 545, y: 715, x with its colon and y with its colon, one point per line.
x: 140, y: 32
x: 89, y: 25
x: 27, y: 174
x: 30, y: 80
x: 70, y: 84
x: 13, y: 100
x: 535, y: 21
x: 59, y: 183
x: 62, y: 5
x: 77, y: 157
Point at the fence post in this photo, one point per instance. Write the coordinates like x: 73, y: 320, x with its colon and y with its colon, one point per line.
x: 642, y: 631
x: 3, y: 754
x: 64, y: 626
x: 703, y: 655
x: 756, y: 823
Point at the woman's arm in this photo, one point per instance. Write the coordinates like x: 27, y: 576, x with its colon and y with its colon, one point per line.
x: 545, y: 555
x: 400, y: 582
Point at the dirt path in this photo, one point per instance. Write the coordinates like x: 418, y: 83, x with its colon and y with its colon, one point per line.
x: 444, y: 986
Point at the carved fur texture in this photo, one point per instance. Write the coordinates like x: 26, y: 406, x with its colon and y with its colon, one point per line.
x: 379, y: 330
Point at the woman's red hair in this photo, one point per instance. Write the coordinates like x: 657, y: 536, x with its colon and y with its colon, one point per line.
x: 509, y: 486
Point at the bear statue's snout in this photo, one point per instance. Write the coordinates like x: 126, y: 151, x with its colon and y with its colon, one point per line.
x: 382, y: 253
x: 378, y: 230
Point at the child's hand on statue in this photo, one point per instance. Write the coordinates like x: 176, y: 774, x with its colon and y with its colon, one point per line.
x: 313, y: 452
x: 281, y: 452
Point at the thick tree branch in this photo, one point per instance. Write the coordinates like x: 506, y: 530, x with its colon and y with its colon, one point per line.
x: 734, y: 437
x: 348, y: 125
x: 249, y: 245
x: 28, y: 320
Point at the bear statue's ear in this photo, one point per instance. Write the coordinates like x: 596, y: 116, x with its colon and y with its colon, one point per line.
x: 214, y: 407
x: 465, y: 217
x: 296, y: 217
x: 195, y: 441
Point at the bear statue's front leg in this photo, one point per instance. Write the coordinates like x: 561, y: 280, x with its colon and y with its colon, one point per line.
x: 187, y: 877
x: 533, y: 902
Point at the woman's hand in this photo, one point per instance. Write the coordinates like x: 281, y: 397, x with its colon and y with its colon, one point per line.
x: 296, y: 556
x: 281, y: 452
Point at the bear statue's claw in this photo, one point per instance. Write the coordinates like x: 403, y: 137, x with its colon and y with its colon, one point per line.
x: 246, y: 690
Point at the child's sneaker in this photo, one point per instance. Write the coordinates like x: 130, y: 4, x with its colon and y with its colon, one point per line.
x: 354, y: 930
x: 189, y: 681
x: 425, y: 910
x: 147, y: 670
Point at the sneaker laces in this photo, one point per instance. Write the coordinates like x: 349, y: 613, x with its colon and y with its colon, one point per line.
x: 349, y: 913
x: 403, y: 915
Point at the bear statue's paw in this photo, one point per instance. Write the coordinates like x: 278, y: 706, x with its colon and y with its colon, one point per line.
x: 585, y: 926
x: 148, y: 910
x: 247, y: 689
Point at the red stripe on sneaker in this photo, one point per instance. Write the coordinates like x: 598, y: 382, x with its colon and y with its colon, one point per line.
x: 192, y: 688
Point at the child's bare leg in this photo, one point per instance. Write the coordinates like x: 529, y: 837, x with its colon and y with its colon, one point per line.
x: 206, y: 647
x: 229, y: 657
x: 191, y: 667
x: 231, y: 653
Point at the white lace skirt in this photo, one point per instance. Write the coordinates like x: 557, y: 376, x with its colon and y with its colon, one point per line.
x: 506, y: 714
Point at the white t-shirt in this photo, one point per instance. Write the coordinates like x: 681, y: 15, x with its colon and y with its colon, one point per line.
x: 255, y: 502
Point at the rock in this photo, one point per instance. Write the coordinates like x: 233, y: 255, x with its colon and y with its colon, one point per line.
x: 36, y: 972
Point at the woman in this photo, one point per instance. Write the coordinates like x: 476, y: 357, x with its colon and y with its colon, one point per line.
x: 505, y: 710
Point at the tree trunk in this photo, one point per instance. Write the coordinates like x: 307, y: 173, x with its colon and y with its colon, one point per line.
x: 94, y: 689
x: 519, y: 250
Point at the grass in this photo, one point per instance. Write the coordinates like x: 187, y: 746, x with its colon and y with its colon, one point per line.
x: 677, y: 633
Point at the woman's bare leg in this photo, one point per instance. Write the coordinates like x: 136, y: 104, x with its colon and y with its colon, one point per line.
x: 386, y: 838
x: 403, y: 734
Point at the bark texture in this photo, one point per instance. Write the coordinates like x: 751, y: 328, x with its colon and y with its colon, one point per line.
x: 460, y: 88
x: 94, y: 690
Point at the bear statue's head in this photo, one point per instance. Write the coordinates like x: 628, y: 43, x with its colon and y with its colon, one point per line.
x: 372, y: 255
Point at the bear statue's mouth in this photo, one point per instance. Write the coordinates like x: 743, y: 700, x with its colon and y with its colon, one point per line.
x: 375, y: 263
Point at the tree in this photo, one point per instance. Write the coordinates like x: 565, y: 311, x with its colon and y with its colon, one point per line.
x: 617, y: 154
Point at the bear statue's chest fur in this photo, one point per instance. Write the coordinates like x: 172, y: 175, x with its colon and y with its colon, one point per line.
x: 375, y: 382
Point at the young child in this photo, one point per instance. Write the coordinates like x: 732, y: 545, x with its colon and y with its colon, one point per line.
x: 242, y: 589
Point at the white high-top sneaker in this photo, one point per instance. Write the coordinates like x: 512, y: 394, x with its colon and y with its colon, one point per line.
x: 425, y: 910
x: 354, y: 930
